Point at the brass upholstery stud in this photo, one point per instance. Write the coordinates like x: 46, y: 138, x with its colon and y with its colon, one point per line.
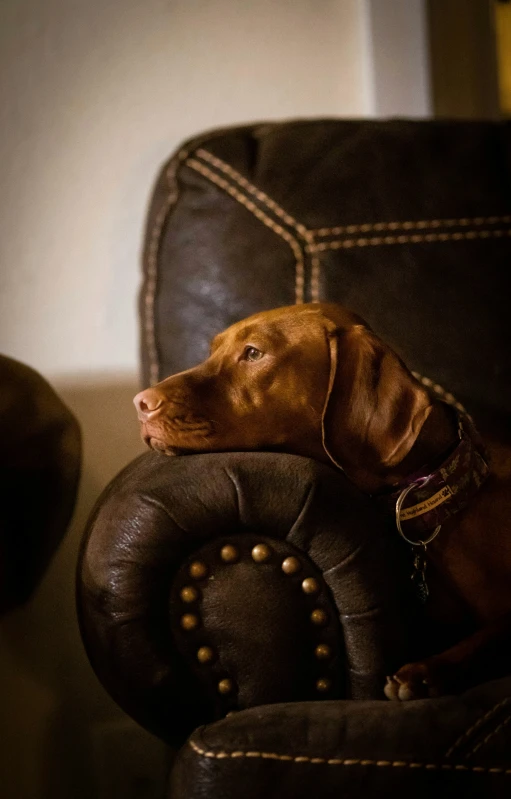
x: 205, y: 654
x: 322, y: 651
x: 323, y: 685
x: 189, y: 621
x: 319, y: 617
x: 198, y: 569
x: 310, y: 586
x: 225, y: 686
x: 261, y: 553
x: 291, y: 565
x: 189, y: 593
x: 229, y: 554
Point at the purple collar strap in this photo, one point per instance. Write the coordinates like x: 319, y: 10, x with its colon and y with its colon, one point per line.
x: 428, y: 498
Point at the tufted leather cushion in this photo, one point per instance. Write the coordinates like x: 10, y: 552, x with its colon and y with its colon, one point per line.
x: 408, y: 223
x: 453, y: 746
x: 250, y: 631
x: 162, y: 514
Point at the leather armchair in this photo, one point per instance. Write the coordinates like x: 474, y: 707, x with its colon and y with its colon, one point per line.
x: 263, y: 583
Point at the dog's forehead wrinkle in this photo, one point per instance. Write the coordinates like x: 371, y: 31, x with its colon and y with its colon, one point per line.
x: 258, y: 333
x: 290, y: 318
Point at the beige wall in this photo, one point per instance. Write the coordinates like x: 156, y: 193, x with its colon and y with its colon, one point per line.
x: 503, y: 32
x: 400, y: 84
x: 95, y: 94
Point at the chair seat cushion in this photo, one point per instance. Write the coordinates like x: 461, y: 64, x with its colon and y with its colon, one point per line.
x: 433, y: 747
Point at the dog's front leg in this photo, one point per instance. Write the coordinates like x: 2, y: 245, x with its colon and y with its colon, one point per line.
x: 482, y: 656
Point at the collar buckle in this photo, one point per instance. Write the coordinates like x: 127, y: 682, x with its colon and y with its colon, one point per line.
x: 399, y: 504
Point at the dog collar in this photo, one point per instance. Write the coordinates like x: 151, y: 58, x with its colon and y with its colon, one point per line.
x: 429, y: 497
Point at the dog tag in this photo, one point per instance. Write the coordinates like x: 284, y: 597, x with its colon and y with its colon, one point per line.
x: 418, y: 575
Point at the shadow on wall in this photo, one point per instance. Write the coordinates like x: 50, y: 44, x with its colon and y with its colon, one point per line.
x: 58, y: 716
x: 109, y: 425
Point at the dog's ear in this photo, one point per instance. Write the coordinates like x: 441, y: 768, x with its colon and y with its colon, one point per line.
x: 374, y: 408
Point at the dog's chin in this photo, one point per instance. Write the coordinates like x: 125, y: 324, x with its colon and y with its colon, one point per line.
x: 158, y: 445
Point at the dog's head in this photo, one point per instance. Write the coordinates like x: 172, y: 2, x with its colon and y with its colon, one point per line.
x: 307, y: 379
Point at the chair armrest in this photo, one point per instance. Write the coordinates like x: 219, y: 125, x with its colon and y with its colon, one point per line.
x: 215, y: 582
x: 450, y: 746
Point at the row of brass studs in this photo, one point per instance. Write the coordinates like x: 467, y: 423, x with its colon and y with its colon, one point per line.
x: 310, y: 585
x: 190, y: 621
x: 260, y: 554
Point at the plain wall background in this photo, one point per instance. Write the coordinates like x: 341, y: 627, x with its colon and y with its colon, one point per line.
x: 94, y: 95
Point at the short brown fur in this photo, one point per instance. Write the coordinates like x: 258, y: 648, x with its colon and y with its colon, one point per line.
x: 325, y: 386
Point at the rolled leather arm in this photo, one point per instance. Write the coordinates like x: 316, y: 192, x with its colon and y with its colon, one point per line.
x: 216, y: 582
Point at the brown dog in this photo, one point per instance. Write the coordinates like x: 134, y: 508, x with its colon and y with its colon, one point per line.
x: 316, y: 381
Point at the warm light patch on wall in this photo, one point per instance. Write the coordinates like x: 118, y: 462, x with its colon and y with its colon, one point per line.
x: 503, y: 32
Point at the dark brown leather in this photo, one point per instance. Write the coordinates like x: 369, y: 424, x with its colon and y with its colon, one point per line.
x: 40, y: 452
x: 160, y: 514
x: 453, y: 746
x: 265, y: 647
x: 421, y: 244
x: 234, y: 212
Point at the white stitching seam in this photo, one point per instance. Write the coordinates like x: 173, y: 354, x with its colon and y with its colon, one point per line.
x: 474, y: 727
x: 446, y: 396
x: 271, y: 205
x: 334, y: 761
x: 260, y: 195
x: 264, y: 218
x: 409, y: 225
x: 415, y: 238
x: 490, y: 735
x: 315, y: 269
x: 312, y: 247
x: 151, y: 266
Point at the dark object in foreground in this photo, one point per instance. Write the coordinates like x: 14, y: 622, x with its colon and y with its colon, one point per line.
x: 40, y: 451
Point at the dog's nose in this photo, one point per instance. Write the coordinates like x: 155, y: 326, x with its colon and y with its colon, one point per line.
x: 148, y: 403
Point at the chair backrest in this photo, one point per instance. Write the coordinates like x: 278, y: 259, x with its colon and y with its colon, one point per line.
x: 407, y: 223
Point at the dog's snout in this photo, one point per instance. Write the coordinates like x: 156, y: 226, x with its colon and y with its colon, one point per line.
x: 148, y: 403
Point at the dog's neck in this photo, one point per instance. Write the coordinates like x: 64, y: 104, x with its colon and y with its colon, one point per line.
x: 439, y: 434
x: 440, y: 475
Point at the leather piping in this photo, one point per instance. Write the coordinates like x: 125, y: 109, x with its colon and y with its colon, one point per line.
x: 463, y: 221
x: 286, y: 217
x: 151, y: 265
x: 290, y: 239
x: 414, y: 238
x: 490, y: 735
x: 335, y: 761
x: 312, y: 247
x: 244, y: 183
x: 302, y: 240
x: 465, y: 736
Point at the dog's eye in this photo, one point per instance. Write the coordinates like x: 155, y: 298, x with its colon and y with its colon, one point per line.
x: 252, y: 354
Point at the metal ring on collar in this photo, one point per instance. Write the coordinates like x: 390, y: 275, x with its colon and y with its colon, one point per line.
x: 399, y: 504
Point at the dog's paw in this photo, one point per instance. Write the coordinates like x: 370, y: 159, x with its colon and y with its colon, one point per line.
x: 413, y: 681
